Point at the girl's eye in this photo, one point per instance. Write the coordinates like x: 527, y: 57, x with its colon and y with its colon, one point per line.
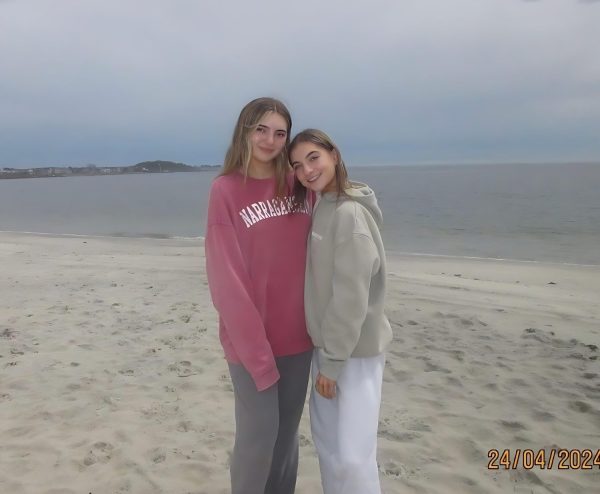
x: 281, y: 135
x: 313, y: 158
x: 260, y: 129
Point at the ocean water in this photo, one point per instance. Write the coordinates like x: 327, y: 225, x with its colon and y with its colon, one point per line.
x: 524, y: 212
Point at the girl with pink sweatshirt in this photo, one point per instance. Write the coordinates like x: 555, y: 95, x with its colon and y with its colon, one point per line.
x: 255, y: 263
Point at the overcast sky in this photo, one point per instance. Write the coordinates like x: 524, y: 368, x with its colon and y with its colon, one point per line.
x: 393, y: 81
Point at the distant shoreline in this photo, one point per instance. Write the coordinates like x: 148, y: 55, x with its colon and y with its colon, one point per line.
x: 94, y: 170
x: 172, y: 167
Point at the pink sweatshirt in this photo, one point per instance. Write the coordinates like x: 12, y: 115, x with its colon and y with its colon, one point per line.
x: 255, y: 264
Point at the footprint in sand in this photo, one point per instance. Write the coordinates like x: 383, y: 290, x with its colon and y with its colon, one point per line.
x: 185, y: 426
x: 100, y: 452
x: 392, y: 469
x: 399, y: 376
x: 592, y: 392
x: 157, y: 455
x: 8, y: 333
x: 429, y: 367
x: 394, y: 435
x: 304, y: 441
x: 543, y: 416
x: 513, y: 426
x: 581, y: 406
x: 182, y: 369
x: 543, y: 336
x: 518, y: 381
x: 457, y: 354
x: 454, y: 381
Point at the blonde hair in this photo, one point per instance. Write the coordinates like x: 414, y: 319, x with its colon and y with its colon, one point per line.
x: 321, y: 139
x: 239, y: 153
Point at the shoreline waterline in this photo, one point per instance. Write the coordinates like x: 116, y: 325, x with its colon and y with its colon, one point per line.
x: 391, y: 254
x: 150, y: 236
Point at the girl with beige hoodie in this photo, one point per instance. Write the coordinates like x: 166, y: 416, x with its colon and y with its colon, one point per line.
x: 344, y: 300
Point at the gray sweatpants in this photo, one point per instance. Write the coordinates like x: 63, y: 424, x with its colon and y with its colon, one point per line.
x: 265, y: 454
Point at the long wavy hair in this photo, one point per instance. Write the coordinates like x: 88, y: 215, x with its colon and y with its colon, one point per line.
x: 239, y: 153
x: 321, y: 139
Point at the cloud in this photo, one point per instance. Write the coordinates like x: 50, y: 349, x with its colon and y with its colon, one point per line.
x: 406, y: 81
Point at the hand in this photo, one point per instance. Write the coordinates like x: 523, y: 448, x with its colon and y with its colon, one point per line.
x: 325, y: 386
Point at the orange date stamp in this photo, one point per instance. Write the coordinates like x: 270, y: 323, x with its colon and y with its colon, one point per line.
x: 561, y: 459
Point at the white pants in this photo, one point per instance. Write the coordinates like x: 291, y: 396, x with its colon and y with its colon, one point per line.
x: 344, y: 429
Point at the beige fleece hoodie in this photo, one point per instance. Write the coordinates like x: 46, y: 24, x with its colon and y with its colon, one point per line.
x: 344, y: 292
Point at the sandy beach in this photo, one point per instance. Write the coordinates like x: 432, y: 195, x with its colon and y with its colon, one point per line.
x: 112, y: 378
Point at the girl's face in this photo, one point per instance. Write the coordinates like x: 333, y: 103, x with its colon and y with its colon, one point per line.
x: 314, y: 166
x: 268, y: 139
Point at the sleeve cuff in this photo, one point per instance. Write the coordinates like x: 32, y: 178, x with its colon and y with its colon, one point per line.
x: 267, y: 379
x: 331, y: 369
